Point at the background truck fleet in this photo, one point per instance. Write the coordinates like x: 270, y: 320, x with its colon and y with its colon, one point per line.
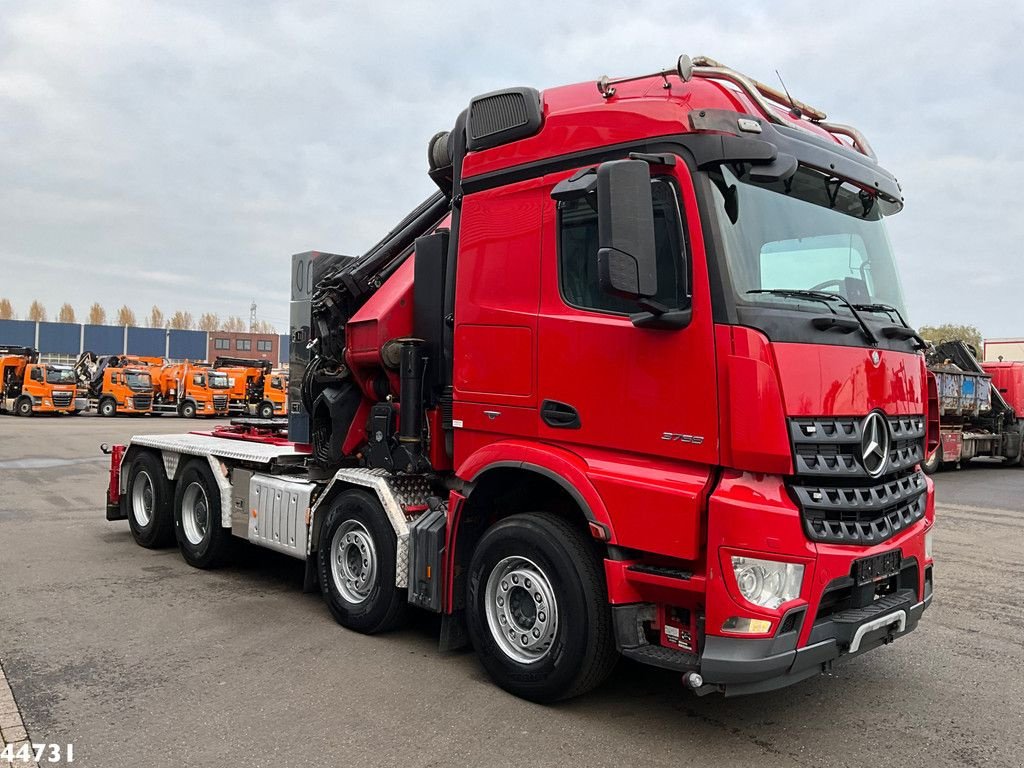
x: 635, y: 381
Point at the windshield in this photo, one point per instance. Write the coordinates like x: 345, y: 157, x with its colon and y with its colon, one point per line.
x: 810, y: 232
x: 138, y: 380
x: 218, y: 381
x: 60, y: 376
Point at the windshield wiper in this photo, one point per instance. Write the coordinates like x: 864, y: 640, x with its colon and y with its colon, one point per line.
x: 903, y: 331
x: 824, y: 298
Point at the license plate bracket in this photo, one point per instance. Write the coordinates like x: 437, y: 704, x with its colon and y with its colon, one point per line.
x: 884, y: 565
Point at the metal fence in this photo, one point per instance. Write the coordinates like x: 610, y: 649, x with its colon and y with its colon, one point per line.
x: 64, y: 342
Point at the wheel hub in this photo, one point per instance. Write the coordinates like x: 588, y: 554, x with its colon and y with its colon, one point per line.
x: 353, y: 561
x: 195, y: 513
x: 142, y: 499
x: 522, y: 612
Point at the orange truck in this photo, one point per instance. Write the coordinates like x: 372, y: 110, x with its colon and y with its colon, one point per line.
x: 189, y: 390
x: 115, y: 384
x: 28, y: 386
x: 253, y: 386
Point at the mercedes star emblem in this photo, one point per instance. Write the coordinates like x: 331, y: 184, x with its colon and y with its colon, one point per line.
x: 874, y: 443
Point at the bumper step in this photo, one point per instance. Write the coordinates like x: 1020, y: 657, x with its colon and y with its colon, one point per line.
x: 665, y: 658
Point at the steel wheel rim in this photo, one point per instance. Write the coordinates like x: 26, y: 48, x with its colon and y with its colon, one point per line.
x: 195, y: 513
x: 142, y: 498
x: 353, y: 561
x: 522, y: 612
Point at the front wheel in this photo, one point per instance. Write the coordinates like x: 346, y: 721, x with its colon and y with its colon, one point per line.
x: 197, y: 515
x: 23, y: 407
x: 356, y: 564
x: 538, y: 611
x: 933, y: 463
x: 188, y: 409
x: 266, y: 410
x: 107, y: 407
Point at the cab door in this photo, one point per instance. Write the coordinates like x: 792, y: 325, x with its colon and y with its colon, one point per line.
x: 640, y: 404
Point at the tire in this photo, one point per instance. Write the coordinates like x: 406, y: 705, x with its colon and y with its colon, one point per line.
x: 150, y: 499
x: 107, y: 407
x: 265, y: 410
x: 188, y: 409
x: 23, y: 407
x: 360, y: 593
x: 1019, y: 461
x: 570, y: 647
x: 201, y: 539
x: 933, y: 463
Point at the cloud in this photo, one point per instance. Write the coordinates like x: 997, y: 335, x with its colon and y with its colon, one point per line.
x: 178, y: 153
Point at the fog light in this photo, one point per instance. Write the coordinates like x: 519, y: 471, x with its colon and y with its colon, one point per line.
x: 744, y: 626
x: 928, y: 545
x: 766, y: 582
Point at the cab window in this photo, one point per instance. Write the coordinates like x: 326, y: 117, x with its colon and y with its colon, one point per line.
x: 37, y: 374
x: 577, y: 254
x: 197, y: 379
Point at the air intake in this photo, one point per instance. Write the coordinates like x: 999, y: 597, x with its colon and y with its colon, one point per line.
x: 503, y: 116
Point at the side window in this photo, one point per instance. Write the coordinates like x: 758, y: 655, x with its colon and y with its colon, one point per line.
x: 37, y: 374
x: 197, y: 379
x: 577, y: 254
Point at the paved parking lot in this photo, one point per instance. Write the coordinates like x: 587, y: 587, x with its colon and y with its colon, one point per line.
x: 138, y: 659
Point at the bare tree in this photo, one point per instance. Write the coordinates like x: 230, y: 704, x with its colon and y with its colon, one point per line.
x: 262, y: 326
x: 156, y: 317
x: 181, y: 321
x: 208, y: 322
x: 125, y: 315
x: 6, y: 309
x: 97, y: 314
x: 66, y: 314
x: 37, y: 312
x: 234, y: 324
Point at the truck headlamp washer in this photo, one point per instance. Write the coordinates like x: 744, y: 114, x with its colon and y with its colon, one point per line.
x: 522, y: 612
x: 875, y: 443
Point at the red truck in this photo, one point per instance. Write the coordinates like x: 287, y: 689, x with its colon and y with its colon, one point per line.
x: 635, y: 381
x: 980, y: 408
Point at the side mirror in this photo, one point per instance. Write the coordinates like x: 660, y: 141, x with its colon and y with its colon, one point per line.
x: 626, y: 259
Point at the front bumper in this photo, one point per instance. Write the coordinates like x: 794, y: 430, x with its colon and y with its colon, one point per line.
x: 739, y: 666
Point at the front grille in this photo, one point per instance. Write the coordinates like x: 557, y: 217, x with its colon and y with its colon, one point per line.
x: 840, y: 502
x: 142, y: 402
x: 62, y: 399
x: 220, y: 402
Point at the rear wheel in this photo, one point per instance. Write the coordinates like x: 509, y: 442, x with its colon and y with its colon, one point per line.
x: 538, y: 611
x: 107, y: 407
x: 23, y: 407
x: 188, y: 409
x: 356, y: 564
x: 266, y: 410
x: 150, y: 497
x: 201, y: 539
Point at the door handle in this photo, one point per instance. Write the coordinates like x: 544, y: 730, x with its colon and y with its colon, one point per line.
x: 559, y: 415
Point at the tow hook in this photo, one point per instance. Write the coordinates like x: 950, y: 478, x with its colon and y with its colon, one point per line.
x: 693, y: 681
x: 105, y: 447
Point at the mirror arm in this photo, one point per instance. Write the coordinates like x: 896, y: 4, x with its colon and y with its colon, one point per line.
x: 671, y: 320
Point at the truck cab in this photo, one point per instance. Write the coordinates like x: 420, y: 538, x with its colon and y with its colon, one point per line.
x: 28, y: 386
x: 192, y: 390
x: 250, y: 386
x: 126, y: 391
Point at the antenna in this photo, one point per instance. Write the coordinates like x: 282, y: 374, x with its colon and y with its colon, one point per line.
x: 795, y: 110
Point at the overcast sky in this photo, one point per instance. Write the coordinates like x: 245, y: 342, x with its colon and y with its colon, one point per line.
x: 177, y: 153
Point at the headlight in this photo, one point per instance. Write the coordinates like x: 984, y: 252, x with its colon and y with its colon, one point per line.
x: 928, y: 545
x: 767, y: 583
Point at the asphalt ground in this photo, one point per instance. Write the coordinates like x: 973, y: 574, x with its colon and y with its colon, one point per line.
x: 139, y: 660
